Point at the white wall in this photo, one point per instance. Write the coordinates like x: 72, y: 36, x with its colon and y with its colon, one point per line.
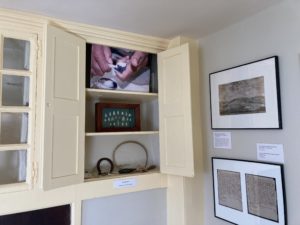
x: 275, y: 31
x: 139, y: 208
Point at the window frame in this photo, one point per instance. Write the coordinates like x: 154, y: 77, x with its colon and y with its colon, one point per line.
x: 31, y: 73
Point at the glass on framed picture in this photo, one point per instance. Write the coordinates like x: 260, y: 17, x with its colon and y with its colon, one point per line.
x: 249, y: 192
x: 246, y: 96
x: 117, y: 117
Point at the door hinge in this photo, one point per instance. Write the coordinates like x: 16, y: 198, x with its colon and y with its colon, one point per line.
x: 34, y: 173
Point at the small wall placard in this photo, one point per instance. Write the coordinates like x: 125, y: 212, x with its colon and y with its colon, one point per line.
x: 124, y: 183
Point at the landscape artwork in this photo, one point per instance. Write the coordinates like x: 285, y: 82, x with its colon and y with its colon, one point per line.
x: 246, y: 96
x: 242, y: 97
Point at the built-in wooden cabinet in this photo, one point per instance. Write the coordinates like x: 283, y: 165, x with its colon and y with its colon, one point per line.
x: 166, y: 117
x: 51, y: 139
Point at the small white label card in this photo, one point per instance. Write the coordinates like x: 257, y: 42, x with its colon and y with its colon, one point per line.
x: 222, y: 140
x: 124, y: 183
x: 270, y: 152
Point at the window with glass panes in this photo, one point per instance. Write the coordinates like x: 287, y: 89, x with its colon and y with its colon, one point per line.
x: 17, y: 101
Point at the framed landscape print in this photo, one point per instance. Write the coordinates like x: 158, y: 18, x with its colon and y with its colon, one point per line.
x: 246, y: 96
x: 249, y: 193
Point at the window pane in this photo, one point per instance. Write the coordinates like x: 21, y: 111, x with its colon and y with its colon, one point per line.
x: 15, y: 91
x: 13, y: 166
x: 16, y: 54
x: 59, y: 215
x: 13, y: 128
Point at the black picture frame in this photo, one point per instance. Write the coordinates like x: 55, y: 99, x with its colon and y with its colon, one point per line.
x: 249, y: 191
x: 246, y: 96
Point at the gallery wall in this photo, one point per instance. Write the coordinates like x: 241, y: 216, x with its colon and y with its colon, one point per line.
x: 275, y: 31
x: 127, y: 209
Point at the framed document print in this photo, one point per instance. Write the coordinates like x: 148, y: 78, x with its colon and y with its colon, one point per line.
x: 248, y: 193
x: 246, y: 96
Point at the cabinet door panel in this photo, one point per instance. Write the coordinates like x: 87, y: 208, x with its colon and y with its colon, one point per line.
x: 176, y: 142
x: 64, y: 109
x: 170, y: 134
x: 63, y: 125
x: 66, y: 84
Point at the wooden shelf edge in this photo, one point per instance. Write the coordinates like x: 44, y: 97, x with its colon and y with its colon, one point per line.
x: 14, y: 187
x: 96, y: 134
x: 122, y: 176
x: 105, y: 187
x: 120, y: 95
x: 13, y: 147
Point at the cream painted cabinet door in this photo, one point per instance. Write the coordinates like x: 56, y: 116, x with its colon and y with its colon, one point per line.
x: 175, y: 112
x: 63, y: 159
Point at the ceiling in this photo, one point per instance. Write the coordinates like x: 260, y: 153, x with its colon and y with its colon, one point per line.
x: 161, y: 18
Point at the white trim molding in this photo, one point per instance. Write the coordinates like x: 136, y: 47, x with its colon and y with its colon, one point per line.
x: 92, y: 34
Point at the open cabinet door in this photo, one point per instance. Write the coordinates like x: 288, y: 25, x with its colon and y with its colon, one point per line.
x: 175, y: 113
x: 63, y: 159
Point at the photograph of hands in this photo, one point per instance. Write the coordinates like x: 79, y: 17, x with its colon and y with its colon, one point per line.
x: 118, y: 68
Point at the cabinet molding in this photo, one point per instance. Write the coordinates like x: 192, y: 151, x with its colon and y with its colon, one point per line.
x: 93, y: 34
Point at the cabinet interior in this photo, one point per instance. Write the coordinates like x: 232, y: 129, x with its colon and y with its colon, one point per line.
x: 102, y: 144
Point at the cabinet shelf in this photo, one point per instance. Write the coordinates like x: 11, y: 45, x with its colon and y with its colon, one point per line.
x: 95, y: 134
x: 122, y: 176
x: 15, y: 109
x: 13, y: 147
x: 120, y: 95
x: 101, y: 187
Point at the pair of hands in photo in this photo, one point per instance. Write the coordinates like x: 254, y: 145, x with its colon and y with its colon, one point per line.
x: 101, y: 59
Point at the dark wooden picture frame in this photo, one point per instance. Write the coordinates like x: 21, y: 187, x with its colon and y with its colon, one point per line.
x: 114, y: 117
